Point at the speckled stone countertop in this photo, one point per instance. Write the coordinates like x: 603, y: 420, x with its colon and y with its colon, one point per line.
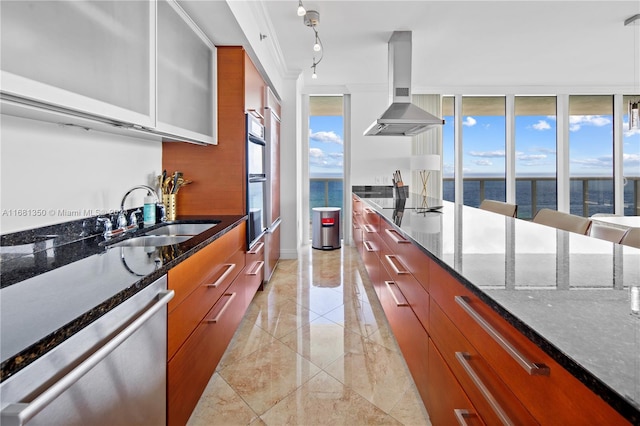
x: 58, y: 279
x: 568, y: 293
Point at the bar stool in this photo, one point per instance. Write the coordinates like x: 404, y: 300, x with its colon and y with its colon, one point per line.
x: 500, y: 207
x: 605, y: 232
x: 631, y: 238
x: 564, y: 221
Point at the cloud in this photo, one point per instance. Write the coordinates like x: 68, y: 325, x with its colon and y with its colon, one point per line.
x: 541, y: 125
x: 530, y: 157
x: 545, y: 150
x: 488, y: 154
x: 319, y: 158
x: 316, y: 153
x: 631, y: 159
x: 606, y: 161
x: 577, y: 121
x: 483, y: 163
x: 326, y: 137
x: 630, y: 132
x: 469, y: 121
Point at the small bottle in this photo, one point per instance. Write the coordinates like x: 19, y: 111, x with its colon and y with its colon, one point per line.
x: 149, y: 211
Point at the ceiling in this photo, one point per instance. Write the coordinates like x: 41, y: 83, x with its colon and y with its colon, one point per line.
x: 458, y: 46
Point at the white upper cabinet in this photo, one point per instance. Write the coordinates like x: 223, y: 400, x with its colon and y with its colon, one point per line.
x: 186, y: 70
x: 139, y: 64
x: 95, y: 57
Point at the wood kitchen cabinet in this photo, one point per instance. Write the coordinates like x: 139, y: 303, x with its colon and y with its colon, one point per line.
x: 213, y: 290
x: 219, y: 172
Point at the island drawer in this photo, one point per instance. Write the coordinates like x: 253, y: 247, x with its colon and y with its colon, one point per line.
x: 407, y: 252
x: 494, y: 401
x: 548, y: 391
x: 446, y: 402
x: 398, y: 271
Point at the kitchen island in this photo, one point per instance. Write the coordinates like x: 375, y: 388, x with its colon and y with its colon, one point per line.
x: 560, y: 296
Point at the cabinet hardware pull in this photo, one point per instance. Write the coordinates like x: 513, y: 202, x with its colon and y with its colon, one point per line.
x: 230, y: 267
x: 256, y: 268
x: 21, y: 412
x: 396, y: 236
x: 395, y: 298
x: 355, y: 225
x: 370, y: 229
x: 255, y: 113
x: 368, y: 247
x: 256, y: 249
x: 368, y: 210
x: 462, y: 414
x: 224, y: 308
x: 390, y: 260
x: 463, y: 359
x: 532, y: 368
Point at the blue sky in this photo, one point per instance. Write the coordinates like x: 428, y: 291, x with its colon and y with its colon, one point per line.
x: 590, y: 145
x: 326, y: 145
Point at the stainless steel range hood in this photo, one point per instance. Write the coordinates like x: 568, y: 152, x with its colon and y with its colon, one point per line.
x: 402, y: 118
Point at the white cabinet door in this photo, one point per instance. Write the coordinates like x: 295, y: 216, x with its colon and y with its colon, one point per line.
x: 91, y: 56
x: 186, y: 67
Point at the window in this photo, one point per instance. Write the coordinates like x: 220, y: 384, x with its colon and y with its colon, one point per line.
x: 326, y: 152
x: 448, y: 155
x: 535, y: 145
x: 630, y: 162
x: 484, y: 136
x: 591, y: 154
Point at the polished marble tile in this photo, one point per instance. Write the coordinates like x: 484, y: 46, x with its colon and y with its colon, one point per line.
x: 313, y: 348
x: 267, y: 375
x: 378, y: 374
x: 324, y: 400
x: 221, y: 405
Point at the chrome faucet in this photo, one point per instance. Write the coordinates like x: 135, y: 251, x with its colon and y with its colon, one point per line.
x: 133, y: 221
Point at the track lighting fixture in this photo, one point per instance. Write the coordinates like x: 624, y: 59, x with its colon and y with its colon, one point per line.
x: 301, y: 9
x: 311, y: 19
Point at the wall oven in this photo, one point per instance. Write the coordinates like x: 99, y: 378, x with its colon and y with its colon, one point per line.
x: 256, y: 179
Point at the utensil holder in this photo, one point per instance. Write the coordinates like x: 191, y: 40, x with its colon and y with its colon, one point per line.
x: 400, y: 191
x: 171, y: 206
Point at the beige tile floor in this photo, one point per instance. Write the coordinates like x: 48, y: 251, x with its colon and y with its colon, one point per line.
x: 314, y: 348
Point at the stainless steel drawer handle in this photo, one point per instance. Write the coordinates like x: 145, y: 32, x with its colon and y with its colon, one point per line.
x: 230, y: 267
x: 256, y: 268
x: 368, y: 247
x: 370, y: 229
x: 367, y: 210
x: 21, y: 412
x: 463, y: 359
x: 396, y: 236
x: 462, y: 415
x: 231, y: 296
x: 393, y: 295
x: 355, y: 225
x: 532, y: 368
x: 257, y: 248
x: 392, y: 259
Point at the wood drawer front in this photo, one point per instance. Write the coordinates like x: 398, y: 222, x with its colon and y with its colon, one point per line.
x: 253, y: 273
x: 371, y: 218
x: 495, y: 402
x: 412, y: 256
x: 186, y: 316
x: 370, y: 258
x: 415, y: 294
x: 446, y: 401
x: 356, y: 205
x: 408, y: 331
x: 203, y: 265
x: 191, y: 368
x: 556, y: 398
x: 357, y: 235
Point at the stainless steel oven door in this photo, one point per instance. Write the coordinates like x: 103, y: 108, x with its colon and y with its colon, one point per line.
x: 256, y: 203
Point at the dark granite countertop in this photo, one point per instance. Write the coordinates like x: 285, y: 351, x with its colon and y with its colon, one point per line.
x: 569, y: 293
x: 57, y: 280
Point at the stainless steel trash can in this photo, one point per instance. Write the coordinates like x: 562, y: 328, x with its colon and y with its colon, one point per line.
x: 325, y: 227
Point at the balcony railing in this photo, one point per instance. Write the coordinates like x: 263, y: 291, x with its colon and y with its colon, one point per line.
x: 588, y: 195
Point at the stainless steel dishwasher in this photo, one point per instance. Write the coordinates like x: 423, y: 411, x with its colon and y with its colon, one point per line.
x: 112, y: 372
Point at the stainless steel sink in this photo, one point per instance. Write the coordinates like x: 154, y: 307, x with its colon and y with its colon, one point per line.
x: 153, y: 241
x: 182, y: 229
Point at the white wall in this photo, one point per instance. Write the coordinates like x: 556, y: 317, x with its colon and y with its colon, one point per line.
x: 53, y: 174
x: 375, y: 158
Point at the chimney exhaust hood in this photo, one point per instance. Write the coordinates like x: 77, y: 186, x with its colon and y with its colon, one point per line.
x: 402, y: 118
